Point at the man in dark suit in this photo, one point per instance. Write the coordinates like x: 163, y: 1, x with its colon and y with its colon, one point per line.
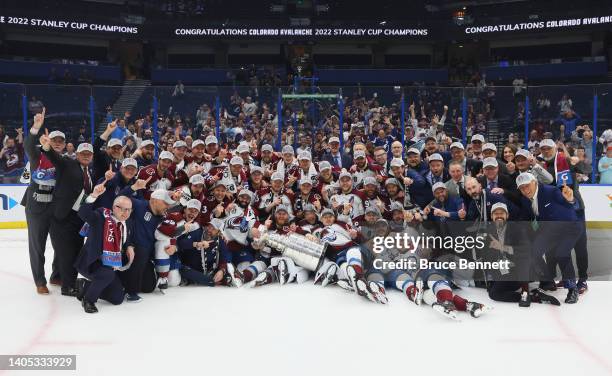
x: 497, y: 182
x: 554, y: 221
x: 108, y: 228
x: 457, y: 153
x: 483, y: 200
x: 38, y: 202
x: 74, y: 183
x: 112, y: 156
x: 335, y: 157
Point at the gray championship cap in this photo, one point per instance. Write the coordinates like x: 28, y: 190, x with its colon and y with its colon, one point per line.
x: 499, y: 205
x: 489, y: 162
x: 438, y: 185
x: 524, y: 178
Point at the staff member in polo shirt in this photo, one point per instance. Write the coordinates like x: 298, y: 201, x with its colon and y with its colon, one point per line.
x: 37, y: 201
x: 115, y: 182
x: 147, y: 215
x: 74, y: 183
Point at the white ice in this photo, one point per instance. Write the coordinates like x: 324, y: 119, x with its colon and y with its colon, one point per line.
x: 297, y: 330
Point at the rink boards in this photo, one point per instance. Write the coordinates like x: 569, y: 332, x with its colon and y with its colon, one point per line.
x: 597, y: 200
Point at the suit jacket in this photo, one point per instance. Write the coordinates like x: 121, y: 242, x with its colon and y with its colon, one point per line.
x: 347, y: 160
x: 517, y: 240
x: 92, y: 250
x: 552, y: 206
x: 102, y: 160
x: 451, y: 205
x: 69, y: 182
x: 491, y: 198
x: 455, y: 191
x: 508, y: 184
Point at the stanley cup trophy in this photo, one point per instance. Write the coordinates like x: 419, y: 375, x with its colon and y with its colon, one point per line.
x: 303, y: 251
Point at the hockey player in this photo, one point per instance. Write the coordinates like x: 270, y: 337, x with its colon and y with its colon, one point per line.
x: 305, y: 196
x: 348, y: 198
x: 362, y: 168
x: 305, y: 170
x: 371, y: 191
x: 232, y: 176
x: 311, y: 222
x: 267, y: 160
x: 214, y: 205
x: 269, y: 198
x: 121, y: 179
x: 255, y: 180
x: 288, y: 160
x: 194, y: 190
x: 160, y: 175
x: 325, y: 184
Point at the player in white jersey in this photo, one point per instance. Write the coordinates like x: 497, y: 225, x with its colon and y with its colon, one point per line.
x: 348, y: 199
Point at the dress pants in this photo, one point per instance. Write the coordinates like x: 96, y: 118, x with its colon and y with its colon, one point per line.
x: 67, y: 243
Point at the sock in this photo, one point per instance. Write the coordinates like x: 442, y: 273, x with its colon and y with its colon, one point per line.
x: 353, y: 257
x: 460, y: 303
x: 163, y: 274
x: 444, y: 295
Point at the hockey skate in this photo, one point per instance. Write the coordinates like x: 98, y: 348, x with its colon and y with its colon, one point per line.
x: 417, y: 297
x: 446, y: 308
x: 371, y: 290
x: 261, y: 279
x: 345, y: 285
x: 476, y: 309
x: 327, y: 276
x: 525, y: 299
x: 232, y: 277
x: 539, y: 296
x: 282, y: 272
x: 378, y: 292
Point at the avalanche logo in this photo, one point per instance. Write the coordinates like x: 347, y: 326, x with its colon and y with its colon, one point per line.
x: 238, y: 223
x: 329, y: 237
x: 7, y: 202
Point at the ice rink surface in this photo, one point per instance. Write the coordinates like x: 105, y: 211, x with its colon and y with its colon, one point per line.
x: 297, y: 330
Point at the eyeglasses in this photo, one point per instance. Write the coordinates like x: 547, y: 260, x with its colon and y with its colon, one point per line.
x: 122, y: 209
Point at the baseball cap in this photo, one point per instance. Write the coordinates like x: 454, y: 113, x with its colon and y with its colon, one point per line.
x: 288, y: 149
x: 359, y: 154
x: 282, y: 207
x: 246, y: 192
x: 309, y: 207
x: 255, y: 169
x: 196, y: 179
x: 243, y: 148
x: 129, y: 162
x: 324, y: 165
x: 194, y: 204
x: 344, y: 174
x: 217, y: 223
x: 219, y: 183
x: 197, y: 142
x: 524, y: 178
x: 369, y: 180
x: 236, y: 161
x: 334, y: 139
x: 392, y: 181
x: 146, y: 143
x: 489, y: 146
x: 435, y: 157
x: 267, y: 147
x: 84, y: 147
x: 179, y: 144
x: 396, y: 206
x: 305, y: 181
x: 373, y: 209
x: 305, y: 155
x: 547, y: 142
x: 437, y: 186
x: 489, y: 162
x: 57, y: 134
x: 499, y: 205
x: 413, y: 151
x: 478, y: 137
x: 166, y: 155
x: 211, y: 140
x: 162, y: 194
x: 522, y: 153
x: 277, y: 176
x: 327, y: 211
x: 397, y: 162
x: 457, y: 145
x: 114, y: 142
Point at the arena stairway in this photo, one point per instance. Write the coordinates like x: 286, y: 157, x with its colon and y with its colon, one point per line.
x: 130, y: 94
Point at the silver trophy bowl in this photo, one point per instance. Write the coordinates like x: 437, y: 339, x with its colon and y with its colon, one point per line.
x: 304, y: 252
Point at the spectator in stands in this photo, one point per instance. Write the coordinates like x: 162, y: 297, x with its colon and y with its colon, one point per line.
x: 520, y: 85
x: 605, y: 167
x: 12, y: 157
x: 35, y: 106
x: 179, y: 89
x: 120, y: 131
x: 542, y: 106
x: 70, y: 151
x: 565, y: 104
x: 249, y: 107
x: 569, y: 119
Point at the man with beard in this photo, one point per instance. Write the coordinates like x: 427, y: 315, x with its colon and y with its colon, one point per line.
x: 158, y: 175
x: 198, y: 160
x: 470, y: 166
x: 244, y: 152
x: 509, y: 242
x: 37, y: 201
x: 267, y: 160
x: 203, y: 257
x: 348, y: 201
x: 482, y: 201
x: 525, y: 162
x: 179, y: 166
x: 444, y: 208
x: 372, y: 194
x: 215, y: 154
x: 270, y: 197
x: 232, y: 175
x: 113, y: 155
x: 311, y: 222
x: 554, y: 221
x: 362, y: 168
x: 215, y: 204
x: 563, y: 170
x: 325, y: 185
x: 255, y: 180
x: 336, y: 158
x: 414, y: 161
x: 144, y: 155
x: 380, y: 158
x: 412, y: 185
x: 436, y: 172
x: 496, y: 182
x: 305, y: 170
x: 194, y: 190
x: 304, y: 197
x: 147, y: 216
x: 287, y: 162
x: 477, y: 142
x: 115, y: 182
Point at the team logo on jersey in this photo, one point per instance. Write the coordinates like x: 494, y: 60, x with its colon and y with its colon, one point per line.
x: 147, y: 216
x: 329, y: 237
x: 238, y: 223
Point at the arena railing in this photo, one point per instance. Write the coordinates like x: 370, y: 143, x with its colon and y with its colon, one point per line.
x: 314, y: 112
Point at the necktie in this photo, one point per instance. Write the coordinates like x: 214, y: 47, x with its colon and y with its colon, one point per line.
x: 120, y: 234
x: 491, y: 184
x: 338, y: 161
x: 86, y: 181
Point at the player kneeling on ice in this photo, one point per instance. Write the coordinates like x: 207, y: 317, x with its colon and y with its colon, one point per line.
x: 203, y: 257
x: 174, y: 225
x: 343, y: 262
x: 428, y: 285
x: 281, y: 269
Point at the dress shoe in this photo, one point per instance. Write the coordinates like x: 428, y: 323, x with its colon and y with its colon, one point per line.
x: 572, y: 296
x: 89, y: 307
x: 42, y: 290
x: 80, y: 287
x: 133, y: 298
x: 70, y: 291
x: 55, y: 281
